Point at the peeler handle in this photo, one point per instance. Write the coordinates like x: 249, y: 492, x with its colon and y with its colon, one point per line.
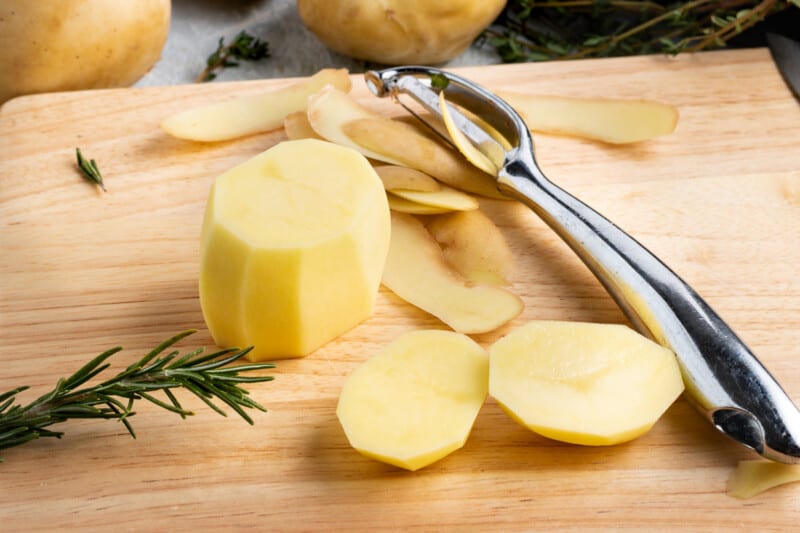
x: 722, y: 376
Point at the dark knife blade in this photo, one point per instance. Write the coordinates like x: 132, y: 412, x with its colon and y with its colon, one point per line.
x: 786, y: 54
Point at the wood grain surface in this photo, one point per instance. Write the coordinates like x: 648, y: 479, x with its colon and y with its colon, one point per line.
x: 81, y: 271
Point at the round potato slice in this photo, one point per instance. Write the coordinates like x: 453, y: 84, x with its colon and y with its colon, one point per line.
x: 416, y: 401
x: 591, y: 384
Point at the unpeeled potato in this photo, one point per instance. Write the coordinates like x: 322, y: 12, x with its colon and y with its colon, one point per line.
x: 395, y: 32
x: 61, y: 45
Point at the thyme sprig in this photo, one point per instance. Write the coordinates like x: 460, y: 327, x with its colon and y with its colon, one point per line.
x: 89, y: 170
x: 534, y: 30
x: 204, y: 375
x: 244, y: 47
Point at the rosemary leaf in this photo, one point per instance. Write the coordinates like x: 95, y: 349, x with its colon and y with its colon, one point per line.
x: 89, y: 169
x: 244, y: 47
x: 198, y: 373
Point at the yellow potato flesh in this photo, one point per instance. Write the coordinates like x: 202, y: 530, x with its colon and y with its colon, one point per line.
x: 292, y: 250
x: 591, y: 384
x: 607, y: 120
x: 753, y: 477
x: 417, y: 272
x: 247, y: 115
x: 474, y: 246
x: 416, y: 401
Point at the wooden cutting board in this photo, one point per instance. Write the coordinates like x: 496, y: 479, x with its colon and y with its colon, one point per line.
x: 81, y: 271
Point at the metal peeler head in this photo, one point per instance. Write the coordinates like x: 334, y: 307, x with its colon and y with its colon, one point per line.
x: 423, y: 84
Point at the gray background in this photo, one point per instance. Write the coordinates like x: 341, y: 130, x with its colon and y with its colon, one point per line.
x: 197, y: 26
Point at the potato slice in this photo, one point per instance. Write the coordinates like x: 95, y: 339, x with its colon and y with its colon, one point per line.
x: 329, y: 109
x: 292, y: 249
x: 607, y: 120
x: 467, y: 149
x: 250, y: 114
x: 297, y: 127
x: 474, y: 246
x: 406, y: 146
x: 416, y: 401
x: 592, y: 384
x: 417, y: 272
x: 446, y: 198
x: 407, y: 206
x: 753, y: 477
x: 395, y: 177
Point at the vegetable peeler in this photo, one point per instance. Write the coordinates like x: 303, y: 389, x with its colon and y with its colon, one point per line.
x: 723, y: 378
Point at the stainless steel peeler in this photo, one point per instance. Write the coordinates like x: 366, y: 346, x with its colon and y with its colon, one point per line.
x: 723, y: 377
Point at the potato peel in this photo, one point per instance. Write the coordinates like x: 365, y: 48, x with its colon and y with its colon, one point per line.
x: 247, y: 115
x: 467, y: 149
x: 600, y: 119
x: 753, y: 477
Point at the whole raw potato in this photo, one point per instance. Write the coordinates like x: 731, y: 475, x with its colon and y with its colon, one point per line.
x: 58, y: 45
x: 396, y: 32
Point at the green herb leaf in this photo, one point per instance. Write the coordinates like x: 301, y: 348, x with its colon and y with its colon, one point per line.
x: 89, y: 169
x: 244, y: 47
x: 439, y: 82
x: 205, y: 376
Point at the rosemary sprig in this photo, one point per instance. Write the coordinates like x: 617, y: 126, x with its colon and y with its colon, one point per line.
x: 89, y: 169
x: 534, y: 30
x: 244, y: 47
x: 205, y: 376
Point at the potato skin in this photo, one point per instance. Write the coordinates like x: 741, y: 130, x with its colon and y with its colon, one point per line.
x: 58, y: 45
x: 394, y: 32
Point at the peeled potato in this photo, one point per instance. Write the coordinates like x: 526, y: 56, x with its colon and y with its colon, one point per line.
x: 416, y: 401
x: 64, y: 45
x: 292, y: 249
x: 395, y: 32
x: 591, y: 384
x: 417, y: 272
x: 601, y: 119
x: 473, y: 246
x: 246, y: 115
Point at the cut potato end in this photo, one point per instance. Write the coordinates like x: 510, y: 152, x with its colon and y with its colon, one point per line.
x: 474, y: 246
x: 292, y: 248
x: 297, y: 127
x: 467, y: 149
x: 416, y: 401
x: 395, y: 177
x: 446, y: 198
x: 417, y: 272
x: 250, y: 114
x: 591, y: 384
x: 406, y: 146
x: 402, y: 205
x: 752, y: 477
x: 607, y: 120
